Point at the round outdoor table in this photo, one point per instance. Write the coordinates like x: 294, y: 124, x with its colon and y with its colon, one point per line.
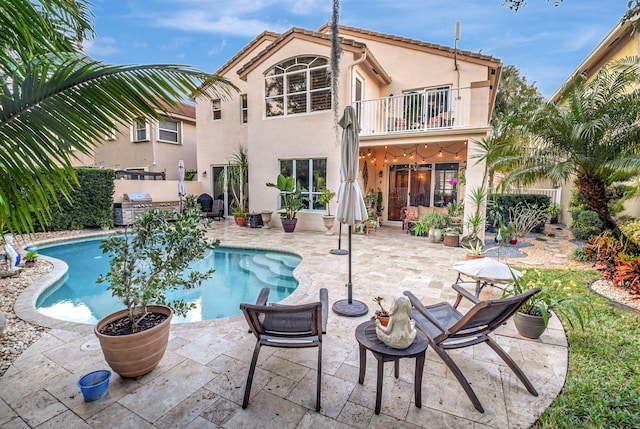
x: 368, y: 340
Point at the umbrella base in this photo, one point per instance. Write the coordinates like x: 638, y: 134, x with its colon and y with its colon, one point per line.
x: 339, y: 251
x: 355, y: 309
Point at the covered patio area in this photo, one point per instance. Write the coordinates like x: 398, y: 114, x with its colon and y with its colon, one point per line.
x: 201, y: 379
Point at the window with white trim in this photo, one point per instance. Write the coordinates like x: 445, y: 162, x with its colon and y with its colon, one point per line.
x: 169, y: 131
x: 297, y: 86
x: 216, y: 109
x: 244, y: 109
x: 311, y: 174
x: 140, y: 131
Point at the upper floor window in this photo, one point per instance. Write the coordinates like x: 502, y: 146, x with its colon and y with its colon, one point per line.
x: 169, y: 131
x: 216, y: 108
x: 140, y: 131
x: 298, y: 85
x: 244, y: 108
x: 311, y: 174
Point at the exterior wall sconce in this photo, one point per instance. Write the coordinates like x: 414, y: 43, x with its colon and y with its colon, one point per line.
x: 380, y: 174
x: 204, y: 174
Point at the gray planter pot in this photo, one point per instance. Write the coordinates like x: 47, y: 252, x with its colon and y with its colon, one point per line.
x: 529, y: 326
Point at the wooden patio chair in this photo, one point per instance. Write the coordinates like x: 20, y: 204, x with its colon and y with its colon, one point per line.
x: 287, y: 326
x: 447, y: 328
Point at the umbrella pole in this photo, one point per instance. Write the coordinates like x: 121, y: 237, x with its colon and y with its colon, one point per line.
x: 350, y: 307
x: 339, y: 251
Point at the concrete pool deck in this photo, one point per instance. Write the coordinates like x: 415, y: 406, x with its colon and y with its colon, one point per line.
x: 200, y: 381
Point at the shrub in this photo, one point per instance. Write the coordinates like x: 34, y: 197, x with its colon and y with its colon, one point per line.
x: 585, y: 224
x: 631, y: 230
x: 579, y: 254
x: 526, y: 217
x: 505, y: 202
x: 627, y: 274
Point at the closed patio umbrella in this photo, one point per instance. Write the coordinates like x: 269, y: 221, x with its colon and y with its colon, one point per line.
x: 351, y: 207
x: 181, y: 189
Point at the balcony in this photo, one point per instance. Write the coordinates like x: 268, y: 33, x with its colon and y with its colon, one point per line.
x: 424, y: 111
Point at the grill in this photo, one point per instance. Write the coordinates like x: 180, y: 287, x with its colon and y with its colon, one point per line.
x: 133, y: 205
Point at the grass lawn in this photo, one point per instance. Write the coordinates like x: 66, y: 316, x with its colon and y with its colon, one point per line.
x: 603, y: 383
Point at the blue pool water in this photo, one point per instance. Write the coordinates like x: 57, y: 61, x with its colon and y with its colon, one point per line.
x: 239, y: 277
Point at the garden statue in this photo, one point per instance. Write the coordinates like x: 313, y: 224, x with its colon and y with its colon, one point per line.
x: 401, y: 329
x: 13, y: 257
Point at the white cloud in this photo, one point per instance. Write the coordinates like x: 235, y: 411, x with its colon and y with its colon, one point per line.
x: 217, y: 50
x: 101, y: 47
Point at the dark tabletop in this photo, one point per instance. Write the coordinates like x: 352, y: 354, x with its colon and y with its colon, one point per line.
x: 366, y: 336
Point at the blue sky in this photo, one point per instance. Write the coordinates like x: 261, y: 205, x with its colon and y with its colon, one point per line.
x: 544, y: 41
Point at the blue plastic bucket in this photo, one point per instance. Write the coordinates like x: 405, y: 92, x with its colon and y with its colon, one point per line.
x: 95, y: 384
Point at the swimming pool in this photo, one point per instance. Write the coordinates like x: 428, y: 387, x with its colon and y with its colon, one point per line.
x: 239, y: 277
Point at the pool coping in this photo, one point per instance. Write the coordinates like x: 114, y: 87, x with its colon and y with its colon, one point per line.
x: 25, y: 305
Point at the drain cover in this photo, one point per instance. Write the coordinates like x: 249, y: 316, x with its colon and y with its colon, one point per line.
x: 90, y: 345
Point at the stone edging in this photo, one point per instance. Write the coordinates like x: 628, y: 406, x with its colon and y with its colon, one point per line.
x: 615, y: 304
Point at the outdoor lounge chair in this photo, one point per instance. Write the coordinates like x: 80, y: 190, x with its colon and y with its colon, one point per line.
x: 210, y: 207
x: 447, y: 328
x: 288, y: 326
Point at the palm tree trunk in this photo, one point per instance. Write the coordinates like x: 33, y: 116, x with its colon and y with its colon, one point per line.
x: 593, y: 190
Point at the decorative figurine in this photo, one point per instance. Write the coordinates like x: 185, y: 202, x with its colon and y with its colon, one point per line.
x: 13, y: 257
x: 401, y: 329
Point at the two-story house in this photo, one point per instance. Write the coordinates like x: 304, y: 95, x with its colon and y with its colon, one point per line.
x: 421, y: 108
x: 150, y: 145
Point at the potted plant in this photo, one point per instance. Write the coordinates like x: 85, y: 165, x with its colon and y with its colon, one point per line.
x: 238, y: 214
x: 291, y: 200
x: 382, y: 315
x: 326, y: 195
x: 533, y: 317
x: 455, y: 211
x: 452, y: 237
x: 474, y: 250
x: 30, y: 259
x: 435, y: 221
x: 144, y: 265
x: 554, y: 211
x: 420, y: 228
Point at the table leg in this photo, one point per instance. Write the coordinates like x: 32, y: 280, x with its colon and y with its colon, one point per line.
x: 418, y: 379
x: 379, y: 383
x: 363, y: 363
x: 396, y: 368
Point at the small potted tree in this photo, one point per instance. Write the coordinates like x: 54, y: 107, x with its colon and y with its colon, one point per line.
x: 326, y: 195
x: 435, y: 221
x: 291, y: 201
x: 143, y: 266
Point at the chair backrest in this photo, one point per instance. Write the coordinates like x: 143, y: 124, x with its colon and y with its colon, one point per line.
x: 217, y: 206
x: 284, y: 321
x: 205, y: 201
x: 486, y: 316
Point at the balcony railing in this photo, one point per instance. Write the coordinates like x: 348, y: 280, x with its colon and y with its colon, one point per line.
x: 422, y: 111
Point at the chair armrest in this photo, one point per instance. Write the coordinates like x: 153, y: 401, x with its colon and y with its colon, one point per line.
x: 324, y: 299
x: 264, y: 295
x: 465, y: 293
x: 422, y: 310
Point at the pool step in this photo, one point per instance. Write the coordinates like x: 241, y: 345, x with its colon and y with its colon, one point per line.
x: 268, y: 270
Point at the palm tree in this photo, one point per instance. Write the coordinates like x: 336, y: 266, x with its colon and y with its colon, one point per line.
x: 57, y: 102
x: 597, y: 123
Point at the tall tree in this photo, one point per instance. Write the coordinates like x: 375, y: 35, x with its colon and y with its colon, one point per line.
x: 581, y: 139
x: 56, y: 101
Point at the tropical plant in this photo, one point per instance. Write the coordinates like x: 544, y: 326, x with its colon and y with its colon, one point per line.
x: 580, y: 139
x: 435, y: 220
x: 455, y: 209
x: 149, y: 261
x: 473, y: 248
x: 420, y: 227
x: 326, y: 195
x: 42, y: 72
x: 31, y: 256
x: 290, y: 192
x: 552, y: 297
x: 237, y: 177
x: 525, y: 217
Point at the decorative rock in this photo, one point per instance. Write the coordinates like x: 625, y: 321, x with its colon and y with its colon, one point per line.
x: 3, y: 323
x: 401, y: 329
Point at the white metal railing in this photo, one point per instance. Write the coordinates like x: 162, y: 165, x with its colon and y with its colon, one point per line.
x: 433, y: 109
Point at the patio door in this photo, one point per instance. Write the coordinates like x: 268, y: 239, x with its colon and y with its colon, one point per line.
x: 409, y: 185
x: 218, y: 191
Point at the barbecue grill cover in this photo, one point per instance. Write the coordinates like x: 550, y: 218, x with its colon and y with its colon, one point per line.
x: 206, y: 202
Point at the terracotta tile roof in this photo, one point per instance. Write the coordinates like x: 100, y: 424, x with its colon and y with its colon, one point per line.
x: 297, y: 31
x: 265, y: 35
x: 374, y: 34
x: 181, y: 109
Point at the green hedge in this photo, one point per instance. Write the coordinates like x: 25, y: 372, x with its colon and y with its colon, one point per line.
x: 506, y: 201
x: 91, y: 202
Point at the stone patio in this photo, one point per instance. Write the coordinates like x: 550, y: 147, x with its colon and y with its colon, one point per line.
x: 200, y: 381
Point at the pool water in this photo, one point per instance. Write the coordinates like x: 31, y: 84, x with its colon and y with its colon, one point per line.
x: 239, y: 277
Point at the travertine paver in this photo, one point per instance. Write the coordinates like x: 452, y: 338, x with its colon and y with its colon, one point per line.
x: 200, y: 381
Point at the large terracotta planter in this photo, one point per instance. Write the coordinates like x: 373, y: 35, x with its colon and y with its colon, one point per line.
x: 529, y: 326
x: 451, y: 240
x: 469, y: 257
x: 241, y: 221
x: 289, y: 225
x: 136, y: 354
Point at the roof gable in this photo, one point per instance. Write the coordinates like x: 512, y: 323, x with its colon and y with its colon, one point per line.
x: 268, y: 36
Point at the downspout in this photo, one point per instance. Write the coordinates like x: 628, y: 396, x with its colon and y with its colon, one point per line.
x: 351, y: 66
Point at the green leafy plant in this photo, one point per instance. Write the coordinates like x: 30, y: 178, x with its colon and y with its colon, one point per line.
x: 525, y: 217
x: 556, y: 297
x: 326, y: 195
x: 150, y: 260
x: 31, y: 256
x: 420, y: 228
x: 291, y: 197
x: 435, y: 220
x: 473, y: 248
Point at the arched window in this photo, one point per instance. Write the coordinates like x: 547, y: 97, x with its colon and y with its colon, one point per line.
x: 298, y: 85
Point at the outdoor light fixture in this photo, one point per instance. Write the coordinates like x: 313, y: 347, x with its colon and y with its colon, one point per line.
x: 204, y: 174
x: 380, y: 172
x: 440, y: 153
x: 369, y: 153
